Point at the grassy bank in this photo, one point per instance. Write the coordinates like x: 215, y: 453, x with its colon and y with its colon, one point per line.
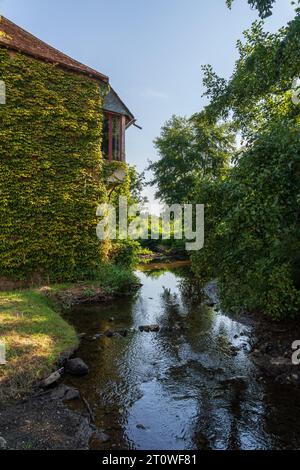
x: 35, y: 334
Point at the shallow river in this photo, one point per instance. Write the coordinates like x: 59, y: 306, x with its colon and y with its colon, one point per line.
x: 180, y: 388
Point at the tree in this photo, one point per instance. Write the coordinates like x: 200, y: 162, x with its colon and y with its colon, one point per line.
x: 252, y: 216
x: 190, y: 150
x: 262, y: 80
x: 264, y: 7
x: 137, y: 185
x: 253, y: 231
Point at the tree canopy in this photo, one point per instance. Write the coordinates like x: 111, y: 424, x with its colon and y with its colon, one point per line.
x: 252, y: 216
x: 264, y: 7
x: 190, y: 149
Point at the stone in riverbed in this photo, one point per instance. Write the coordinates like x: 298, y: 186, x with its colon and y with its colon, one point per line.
x: 77, y: 367
x: 149, y: 328
x: 109, y: 333
x: 141, y: 426
x: 64, y: 392
x: 123, y: 333
x: 53, y: 378
x: 3, y: 443
x: 280, y: 362
x: 72, y: 394
x: 239, y: 381
x: 179, y: 326
x: 98, y: 439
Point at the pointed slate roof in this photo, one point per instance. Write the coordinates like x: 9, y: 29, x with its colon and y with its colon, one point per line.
x: 15, y: 38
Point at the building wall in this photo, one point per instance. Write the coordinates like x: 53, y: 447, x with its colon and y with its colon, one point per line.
x: 50, y: 171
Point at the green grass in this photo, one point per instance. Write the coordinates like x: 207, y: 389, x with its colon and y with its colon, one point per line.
x: 34, y: 335
x: 34, y: 332
x: 111, y: 279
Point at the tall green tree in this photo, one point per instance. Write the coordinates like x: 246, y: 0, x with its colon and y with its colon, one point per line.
x: 190, y: 150
x: 252, y: 216
x: 253, y: 231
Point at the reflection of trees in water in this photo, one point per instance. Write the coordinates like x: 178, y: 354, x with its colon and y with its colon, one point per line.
x: 163, y: 268
x: 186, y: 305
x: 282, y: 416
x: 189, y: 287
x: 191, y: 292
x: 107, y: 388
x: 220, y: 415
x: 155, y: 273
x: 218, y: 423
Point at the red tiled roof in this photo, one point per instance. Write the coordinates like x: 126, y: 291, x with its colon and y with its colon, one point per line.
x: 16, y: 38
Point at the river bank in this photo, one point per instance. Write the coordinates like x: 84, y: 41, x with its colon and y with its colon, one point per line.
x: 36, y: 336
x: 272, y: 348
x: 271, y: 343
x: 191, y: 383
x: 37, y: 341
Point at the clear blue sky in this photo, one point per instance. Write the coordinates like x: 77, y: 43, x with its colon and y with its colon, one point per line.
x: 152, y: 50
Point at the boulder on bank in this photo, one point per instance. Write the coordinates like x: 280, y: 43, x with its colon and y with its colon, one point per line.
x: 72, y: 394
x: 65, y: 393
x: 76, y: 367
x: 98, y: 439
x: 53, y: 378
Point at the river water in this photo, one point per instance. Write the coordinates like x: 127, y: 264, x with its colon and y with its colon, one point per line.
x: 192, y: 385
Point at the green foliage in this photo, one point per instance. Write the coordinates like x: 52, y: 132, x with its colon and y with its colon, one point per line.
x: 252, y: 217
x: 50, y: 171
x: 264, y: 7
x: 252, y: 227
x: 260, y: 87
x: 189, y: 149
x: 167, y: 244
x: 115, y: 279
x: 137, y: 184
x: 126, y: 253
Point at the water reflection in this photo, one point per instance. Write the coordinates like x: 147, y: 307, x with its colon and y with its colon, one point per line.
x: 180, y: 388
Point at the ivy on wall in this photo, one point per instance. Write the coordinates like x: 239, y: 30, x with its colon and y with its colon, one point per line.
x: 50, y: 171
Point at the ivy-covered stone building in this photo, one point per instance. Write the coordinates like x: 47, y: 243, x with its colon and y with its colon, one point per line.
x: 60, y: 120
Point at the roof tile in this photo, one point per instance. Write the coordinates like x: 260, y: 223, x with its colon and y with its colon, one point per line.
x: 16, y: 38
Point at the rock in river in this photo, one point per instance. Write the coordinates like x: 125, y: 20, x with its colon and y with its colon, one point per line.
x: 3, y: 443
x: 239, y: 381
x: 98, y: 336
x: 76, y: 367
x: 72, y: 394
x: 109, y: 333
x: 123, y: 333
x: 98, y: 439
x: 149, y: 328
